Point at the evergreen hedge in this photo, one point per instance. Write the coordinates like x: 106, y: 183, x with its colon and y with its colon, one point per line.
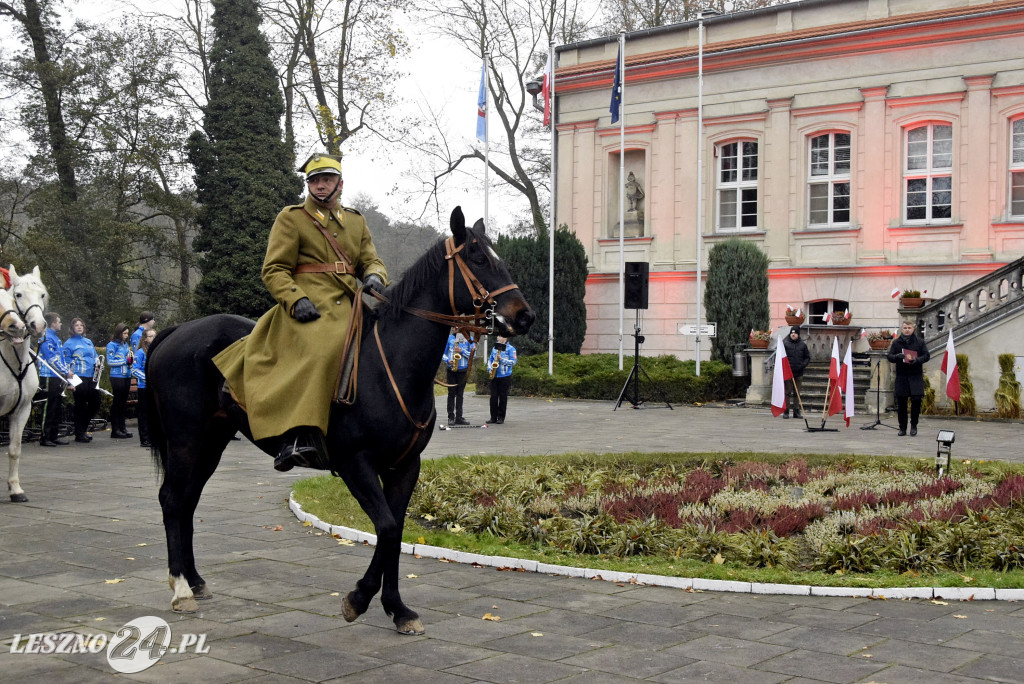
x: 735, y: 294
x: 597, y: 376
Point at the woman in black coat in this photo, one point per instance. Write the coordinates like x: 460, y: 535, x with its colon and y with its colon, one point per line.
x: 909, y: 354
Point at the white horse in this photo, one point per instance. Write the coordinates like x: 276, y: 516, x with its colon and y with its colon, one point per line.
x: 24, y: 303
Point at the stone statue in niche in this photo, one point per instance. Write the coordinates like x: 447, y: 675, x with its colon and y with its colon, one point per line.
x: 634, y: 215
x: 634, y: 193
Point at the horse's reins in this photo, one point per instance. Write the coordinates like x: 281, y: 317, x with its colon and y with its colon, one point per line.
x: 18, y: 375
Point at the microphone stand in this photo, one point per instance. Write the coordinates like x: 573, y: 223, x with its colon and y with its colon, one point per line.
x: 878, y: 400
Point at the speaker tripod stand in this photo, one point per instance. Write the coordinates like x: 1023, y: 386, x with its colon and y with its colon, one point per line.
x: 633, y: 381
x: 878, y: 400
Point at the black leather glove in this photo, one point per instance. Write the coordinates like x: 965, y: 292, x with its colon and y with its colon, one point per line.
x: 373, y: 283
x: 305, y: 311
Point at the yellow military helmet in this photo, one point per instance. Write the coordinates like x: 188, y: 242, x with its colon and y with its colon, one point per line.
x: 321, y: 163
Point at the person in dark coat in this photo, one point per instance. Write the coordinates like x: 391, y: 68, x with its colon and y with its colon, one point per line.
x: 909, y: 354
x: 799, y: 356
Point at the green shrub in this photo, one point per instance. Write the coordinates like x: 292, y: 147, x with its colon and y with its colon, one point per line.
x: 597, y: 376
x: 736, y: 294
x: 1008, y: 392
x: 967, y: 405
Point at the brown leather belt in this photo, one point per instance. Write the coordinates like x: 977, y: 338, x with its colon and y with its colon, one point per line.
x: 339, y: 267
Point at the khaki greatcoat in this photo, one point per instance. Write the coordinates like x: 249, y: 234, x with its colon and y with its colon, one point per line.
x: 284, y: 373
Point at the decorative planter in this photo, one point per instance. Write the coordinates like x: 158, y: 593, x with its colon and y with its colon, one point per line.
x: 758, y: 344
x: 912, y: 302
x: 879, y: 344
x: 795, y: 320
x: 845, y: 321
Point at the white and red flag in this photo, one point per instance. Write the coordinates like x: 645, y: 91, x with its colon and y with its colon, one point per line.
x: 895, y: 293
x: 951, y: 371
x: 835, y: 395
x: 846, y: 382
x: 546, y: 91
x: 781, y: 375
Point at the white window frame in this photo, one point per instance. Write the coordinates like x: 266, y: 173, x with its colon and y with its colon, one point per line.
x: 932, y: 169
x: 833, y: 179
x: 1015, y: 190
x: 742, y: 188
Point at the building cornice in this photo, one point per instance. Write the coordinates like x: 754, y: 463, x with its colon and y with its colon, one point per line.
x: 889, y: 34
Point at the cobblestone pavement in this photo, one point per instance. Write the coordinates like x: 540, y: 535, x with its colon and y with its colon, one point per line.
x: 87, y: 554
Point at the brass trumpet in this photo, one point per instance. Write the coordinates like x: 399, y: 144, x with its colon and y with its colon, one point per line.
x: 454, y: 363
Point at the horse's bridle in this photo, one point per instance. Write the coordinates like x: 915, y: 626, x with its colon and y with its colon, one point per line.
x: 465, y: 323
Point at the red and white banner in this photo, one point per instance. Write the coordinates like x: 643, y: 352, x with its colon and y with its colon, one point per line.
x: 951, y: 371
x: 779, y: 378
x: 846, y: 382
x: 835, y: 395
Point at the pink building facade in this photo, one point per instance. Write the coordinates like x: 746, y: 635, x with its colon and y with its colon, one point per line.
x: 864, y: 145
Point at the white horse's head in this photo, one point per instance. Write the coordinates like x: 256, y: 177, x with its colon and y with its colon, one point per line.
x: 12, y: 327
x: 30, y: 299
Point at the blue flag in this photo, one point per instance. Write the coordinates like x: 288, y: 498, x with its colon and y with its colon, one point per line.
x: 616, y: 105
x: 481, y: 106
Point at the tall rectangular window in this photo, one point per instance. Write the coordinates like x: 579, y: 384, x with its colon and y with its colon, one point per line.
x: 828, y: 183
x: 1017, y: 169
x: 928, y: 173
x: 736, y: 187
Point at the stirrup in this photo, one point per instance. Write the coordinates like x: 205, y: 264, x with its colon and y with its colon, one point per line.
x: 302, y: 448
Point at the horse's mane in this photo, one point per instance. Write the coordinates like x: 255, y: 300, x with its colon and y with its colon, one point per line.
x: 425, y: 273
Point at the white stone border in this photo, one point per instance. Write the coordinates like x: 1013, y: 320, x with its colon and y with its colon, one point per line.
x: 687, y: 583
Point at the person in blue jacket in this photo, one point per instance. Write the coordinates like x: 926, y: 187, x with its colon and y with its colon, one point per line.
x: 139, y: 373
x: 503, y: 359
x: 146, y: 322
x: 53, y: 377
x: 119, y: 361
x: 456, y: 361
x: 80, y: 356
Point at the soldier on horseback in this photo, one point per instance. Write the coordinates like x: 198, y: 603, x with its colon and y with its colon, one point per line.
x: 285, y: 373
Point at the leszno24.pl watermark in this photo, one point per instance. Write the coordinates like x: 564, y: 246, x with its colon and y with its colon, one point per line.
x: 133, y: 648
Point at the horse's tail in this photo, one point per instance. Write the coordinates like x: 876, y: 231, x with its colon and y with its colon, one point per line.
x: 157, y: 434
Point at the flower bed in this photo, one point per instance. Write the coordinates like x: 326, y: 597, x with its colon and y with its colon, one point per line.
x: 849, y: 516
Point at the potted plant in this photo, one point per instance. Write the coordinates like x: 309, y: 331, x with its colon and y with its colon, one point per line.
x: 794, y: 316
x: 840, y: 317
x: 759, y: 339
x: 880, y: 339
x: 911, y: 299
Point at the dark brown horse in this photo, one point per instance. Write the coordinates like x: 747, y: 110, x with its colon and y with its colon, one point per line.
x: 374, y: 443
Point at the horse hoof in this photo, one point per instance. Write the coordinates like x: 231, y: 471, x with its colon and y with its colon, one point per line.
x: 201, y: 593
x: 411, y: 627
x: 184, y: 605
x: 19, y: 498
x: 348, y: 611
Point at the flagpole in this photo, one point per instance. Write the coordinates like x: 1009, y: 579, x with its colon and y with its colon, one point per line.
x: 554, y: 223
x: 621, y: 67
x: 700, y: 173
x: 487, y: 146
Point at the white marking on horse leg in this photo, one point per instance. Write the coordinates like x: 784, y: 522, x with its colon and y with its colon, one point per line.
x: 183, y: 600
x: 13, y: 481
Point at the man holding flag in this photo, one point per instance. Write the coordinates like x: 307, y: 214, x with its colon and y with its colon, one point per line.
x: 909, y: 353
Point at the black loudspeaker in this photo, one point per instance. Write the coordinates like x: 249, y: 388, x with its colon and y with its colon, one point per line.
x: 636, y: 284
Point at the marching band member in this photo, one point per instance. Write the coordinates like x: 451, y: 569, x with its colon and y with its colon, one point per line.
x: 139, y: 373
x: 503, y: 359
x: 456, y: 358
x: 80, y: 355
x: 50, y: 381
x: 119, y: 360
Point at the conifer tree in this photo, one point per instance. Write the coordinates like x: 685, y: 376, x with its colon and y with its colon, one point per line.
x: 736, y: 294
x: 527, y: 260
x: 244, y: 171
